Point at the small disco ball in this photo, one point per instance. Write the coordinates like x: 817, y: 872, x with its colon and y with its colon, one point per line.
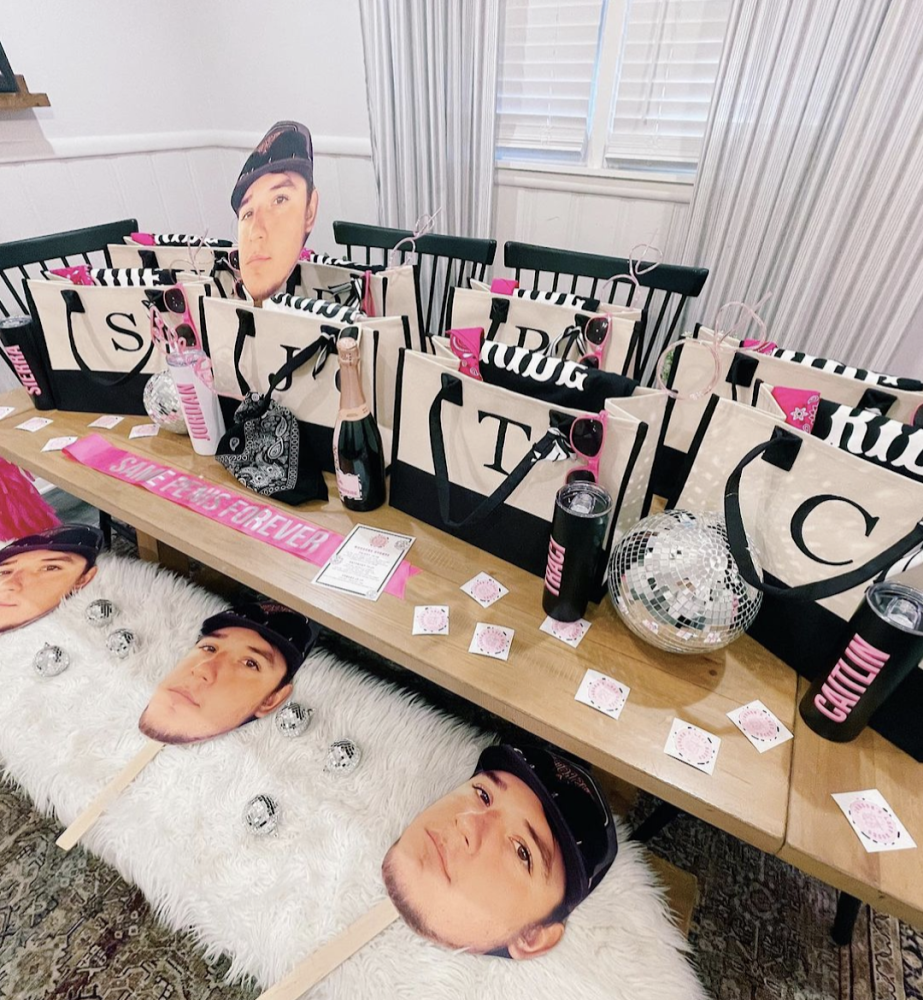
x: 50, y: 661
x: 342, y: 755
x: 121, y: 642
x: 293, y: 719
x: 161, y: 401
x: 674, y: 582
x: 100, y: 612
x: 261, y: 815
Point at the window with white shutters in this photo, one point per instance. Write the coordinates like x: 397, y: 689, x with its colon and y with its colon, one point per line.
x: 618, y: 84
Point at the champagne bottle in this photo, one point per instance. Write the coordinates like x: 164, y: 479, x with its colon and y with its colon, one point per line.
x: 358, y: 456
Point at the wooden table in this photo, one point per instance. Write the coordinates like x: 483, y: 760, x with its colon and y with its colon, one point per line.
x: 748, y: 794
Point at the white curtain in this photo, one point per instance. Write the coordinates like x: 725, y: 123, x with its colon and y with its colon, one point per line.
x: 431, y: 68
x: 811, y: 178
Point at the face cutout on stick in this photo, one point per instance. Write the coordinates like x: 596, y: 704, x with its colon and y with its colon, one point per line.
x: 37, y: 572
x: 240, y: 669
x: 276, y: 204
x: 496, y: 866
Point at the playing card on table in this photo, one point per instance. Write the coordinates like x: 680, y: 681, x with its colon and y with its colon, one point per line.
x: 5, y: 411
x: 491, y: 640
x: 484, y: 589
x: 693, y: 746
x: 108, y: 421
x: 431, y: 619
x: 604, y: 693
x: 56, y: 444
x: 873, y: 821
x: 569, y: 632
x: 33, y: 424
x: 759, y: 725
x: 144, y: 431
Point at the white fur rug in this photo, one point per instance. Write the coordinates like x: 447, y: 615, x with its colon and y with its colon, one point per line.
x: 267, y: 902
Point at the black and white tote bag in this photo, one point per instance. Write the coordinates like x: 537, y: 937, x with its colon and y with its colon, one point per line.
x: 380, y: 290
x: 248, y: 345
x: 484, y: 463
x: 825, y: 524
x: 200, y: 261
x: 96, y: 342
x: 538, y: 324
x: 741, y: 371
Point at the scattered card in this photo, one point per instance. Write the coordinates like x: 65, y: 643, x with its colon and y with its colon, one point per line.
x: 5, y: 411
x: 759, y: 725
x: 484, y: 589
x: 874, y: 821
x: 604, y: 693
x: 144, y: 431
x: 33, y: 424
x: 56, y: 444
x: 570, y: 632
x: 693, y: 746
x: 364, y: 562
x: 109, y: 421
x: 491, y: 640
x: 431, y: 619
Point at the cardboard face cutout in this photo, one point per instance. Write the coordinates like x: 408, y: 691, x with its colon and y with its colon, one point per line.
x: 496, y: 866
x: 276, y: 205
x: 240, y: 669
x: 38, y: 571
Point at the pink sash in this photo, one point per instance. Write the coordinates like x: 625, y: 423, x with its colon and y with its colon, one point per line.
x: 236, y: 510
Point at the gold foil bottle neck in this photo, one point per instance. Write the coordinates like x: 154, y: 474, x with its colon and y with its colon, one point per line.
x: 348, y: 351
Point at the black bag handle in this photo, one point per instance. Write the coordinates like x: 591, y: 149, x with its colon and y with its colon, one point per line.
x: 246, y: 327
x: 781, y: 450
x: 451, y: 392
x: 74, y: 305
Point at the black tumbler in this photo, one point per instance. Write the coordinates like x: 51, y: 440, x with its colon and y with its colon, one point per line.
x: 19, y: 350
x: 578, y: 534
x: 884, y: 642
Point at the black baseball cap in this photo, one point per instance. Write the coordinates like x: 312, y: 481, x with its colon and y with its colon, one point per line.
x: 291, y: 633
x: 286, y: 146
x: 80, y: 539
x: 575, y: 807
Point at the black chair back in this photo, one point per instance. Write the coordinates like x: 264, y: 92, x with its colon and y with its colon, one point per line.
x: 445, y: 261
x: 667, y: 286
x: 23, y: 259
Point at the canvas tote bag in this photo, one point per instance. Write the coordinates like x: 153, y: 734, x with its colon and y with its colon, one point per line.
x: 741, y: 371
x: 381, y: 290
x: 203, y: 261
x: 536, y: 324
x: 96, y: 342
x: 825, y: 525
x: 484, y: 463
x: 248, y: 345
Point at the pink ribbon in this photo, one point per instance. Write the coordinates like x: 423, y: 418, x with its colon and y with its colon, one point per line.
x: 235, y: 510
x: 421, y: 227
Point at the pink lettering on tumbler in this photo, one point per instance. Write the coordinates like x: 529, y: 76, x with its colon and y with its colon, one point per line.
x: 849, y: 679
x: 195, y: 418
x: 554, y: 568
x: 23, y: 371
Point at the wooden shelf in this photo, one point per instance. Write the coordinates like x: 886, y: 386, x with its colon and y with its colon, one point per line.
x: 17, y: 102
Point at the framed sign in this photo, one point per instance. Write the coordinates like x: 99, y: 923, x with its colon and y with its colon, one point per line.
x: 8, y: 84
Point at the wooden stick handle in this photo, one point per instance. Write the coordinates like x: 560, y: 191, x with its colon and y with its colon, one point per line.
x: 333, y: 954
x: 108, y: 795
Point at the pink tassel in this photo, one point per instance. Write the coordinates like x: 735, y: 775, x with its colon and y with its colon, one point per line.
x: 22, y: 509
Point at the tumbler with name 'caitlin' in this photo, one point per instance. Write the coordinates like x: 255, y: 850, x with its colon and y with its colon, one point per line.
x: 884, y: 643
x: 578, y: 535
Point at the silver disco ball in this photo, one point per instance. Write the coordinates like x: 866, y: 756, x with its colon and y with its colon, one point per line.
x: 674, y: 582
x: 161, y: 400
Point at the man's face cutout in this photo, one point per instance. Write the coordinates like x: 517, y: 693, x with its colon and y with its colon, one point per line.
x: 232, y: 676
x: 35, y: 582
x: 481, y: 870
x: 275, y: 218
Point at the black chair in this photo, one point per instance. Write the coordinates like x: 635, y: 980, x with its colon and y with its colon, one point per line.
x: 445, y: 261
x: 585, y: 272
x: 24, y: 259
